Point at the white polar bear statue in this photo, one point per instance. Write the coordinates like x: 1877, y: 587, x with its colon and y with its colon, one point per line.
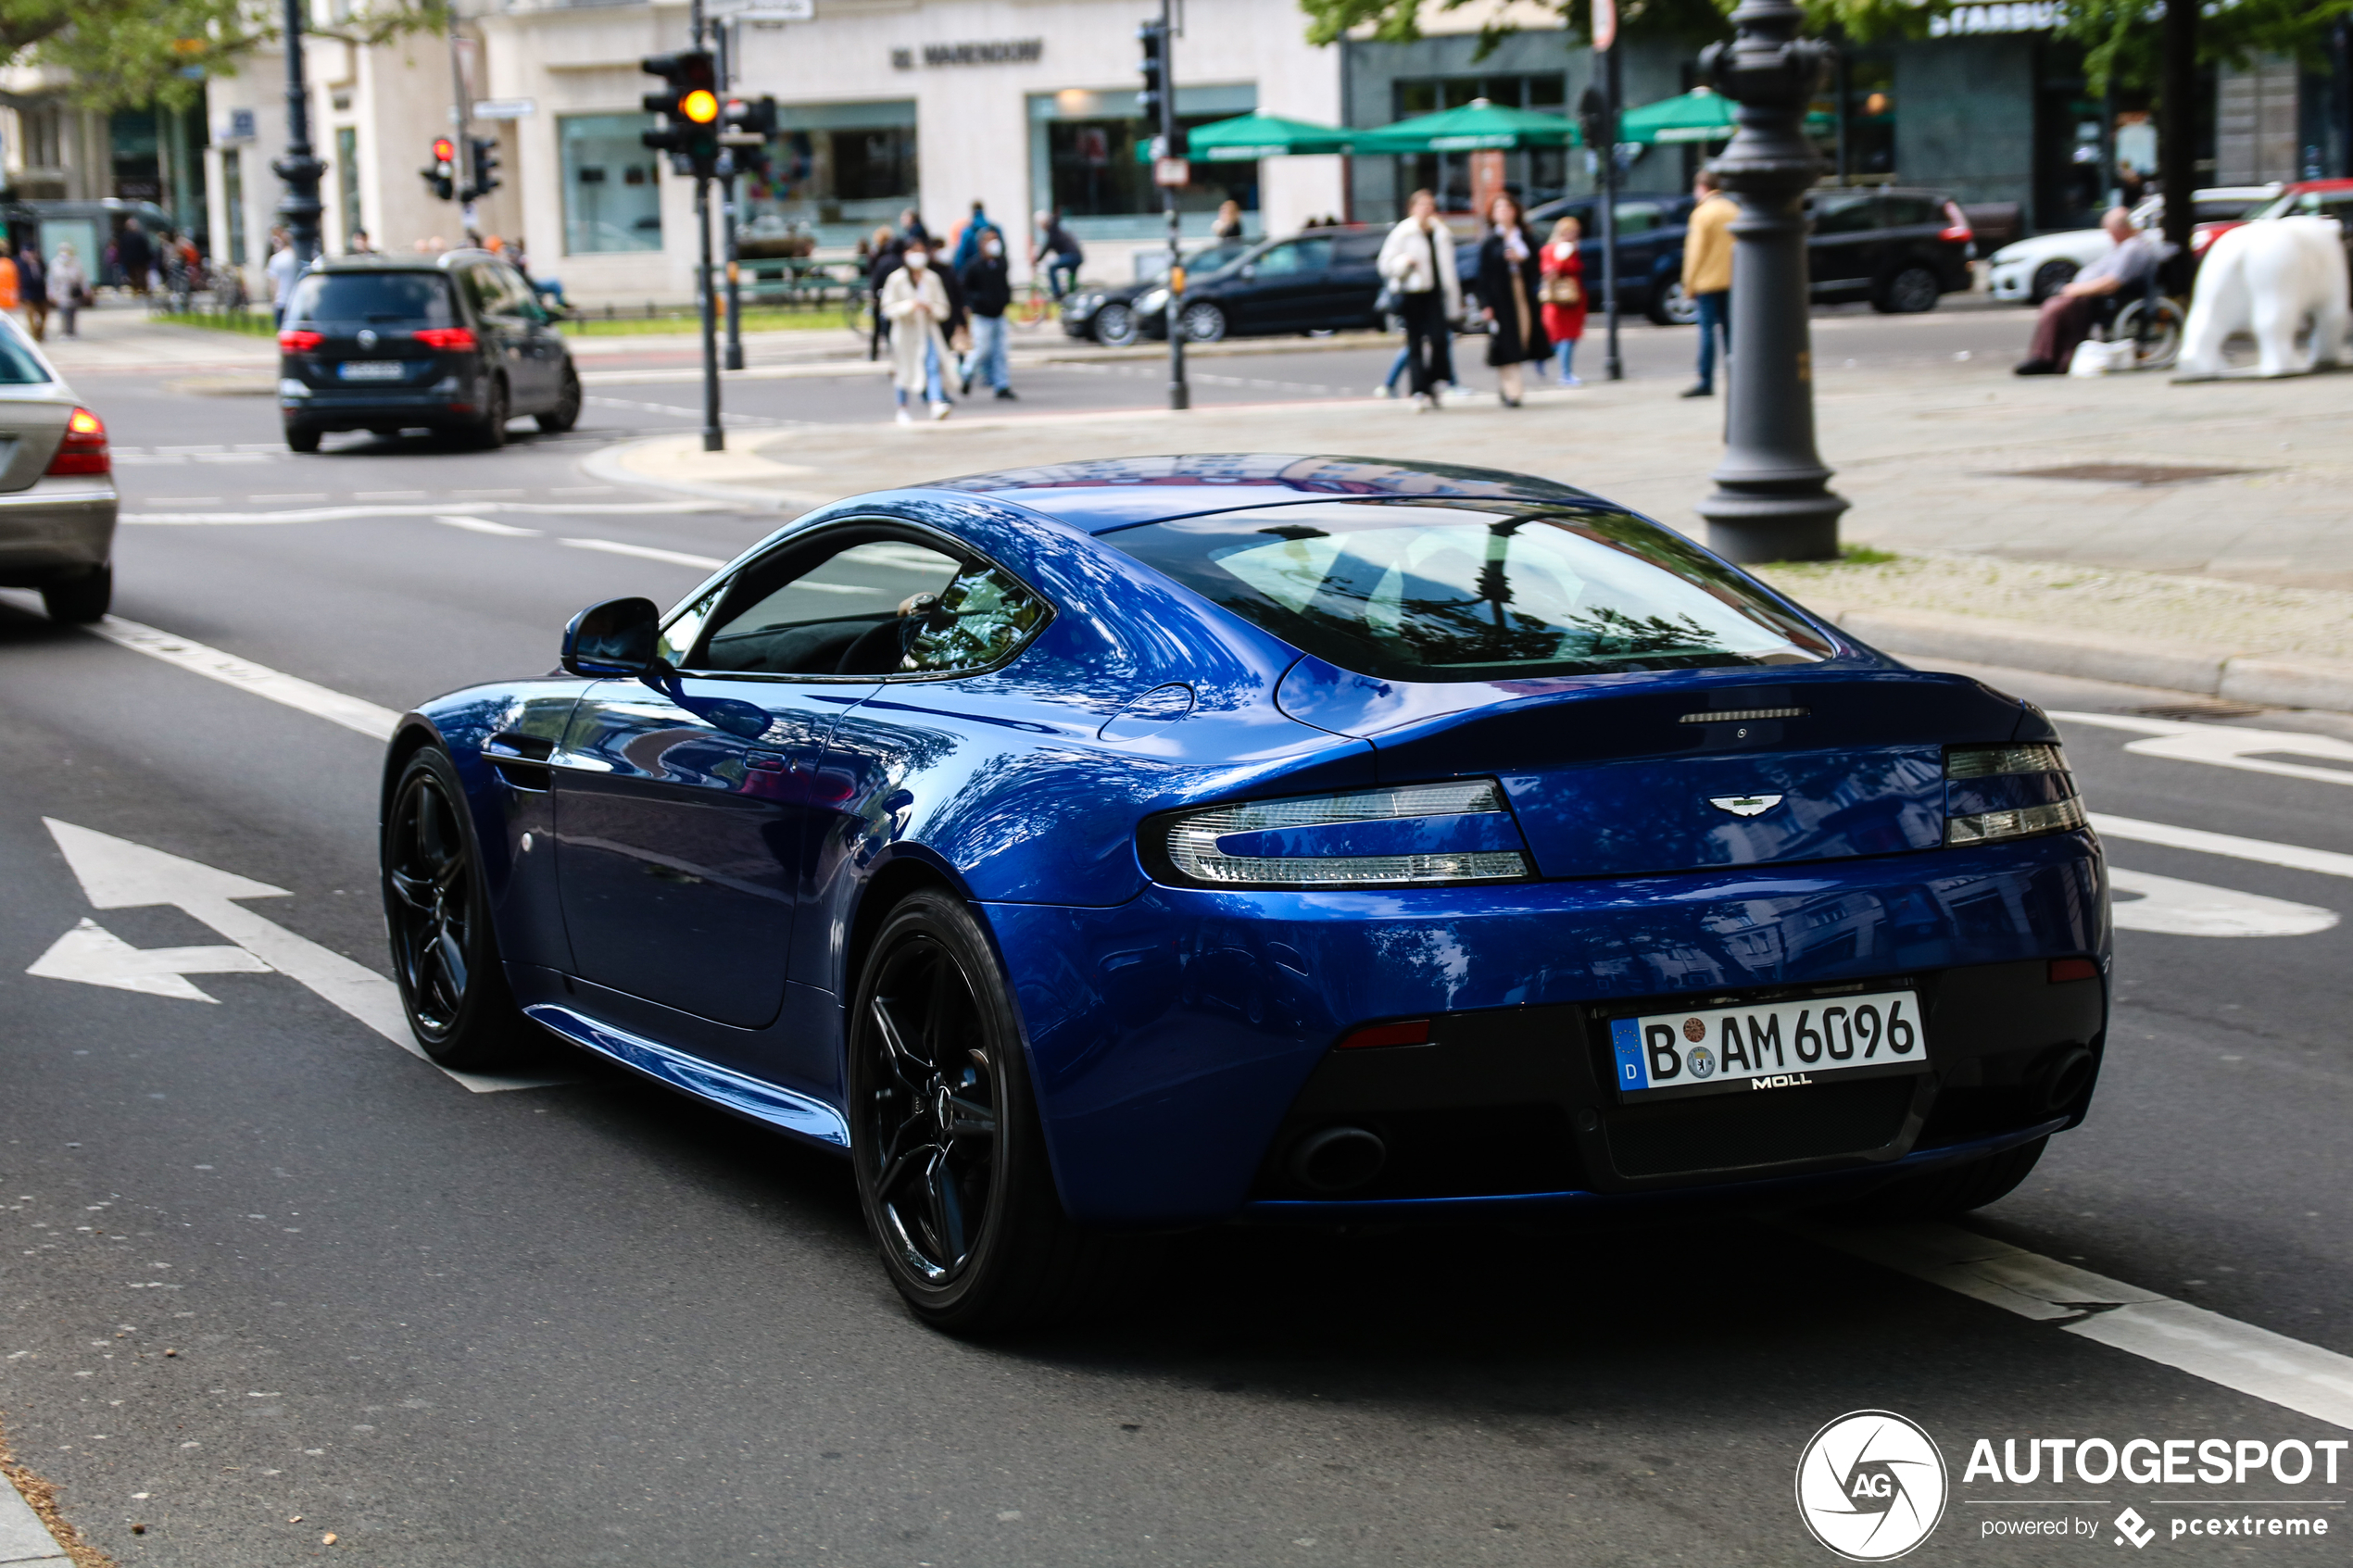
x: 2269, y: 278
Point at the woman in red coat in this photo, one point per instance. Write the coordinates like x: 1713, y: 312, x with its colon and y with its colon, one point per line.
x: 1564, y: 291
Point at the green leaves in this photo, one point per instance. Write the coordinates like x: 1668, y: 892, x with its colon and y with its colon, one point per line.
x: 124, y: 53
x: 2123, y: 39
x: 1690, y: 23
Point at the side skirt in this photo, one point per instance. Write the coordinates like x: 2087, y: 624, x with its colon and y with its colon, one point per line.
x: 765, y: 1103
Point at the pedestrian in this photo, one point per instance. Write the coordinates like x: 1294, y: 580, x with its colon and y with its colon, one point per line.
x: 1565, y: 295
x: 989, y: 288
x: 1228, y: 225
x: 359, y: 244
x: 9, y: 295
x: 916, y: 302
x: 542, y: 289
x: 32, y: 287
x: 135, y: 254
x: 1511, y: 290
x: 1417, y: 261
x: 2068, y: 315
x: 910, y: 226
x: 968, y: 242
x: 281, y: 269
x: 1055, y: 241
x: 69, y: 286
x: 1708, y: 274
x: 887, y: 250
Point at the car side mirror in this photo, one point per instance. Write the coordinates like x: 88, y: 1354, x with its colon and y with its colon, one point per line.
x: 616, y: 637
x: 1250, y: 270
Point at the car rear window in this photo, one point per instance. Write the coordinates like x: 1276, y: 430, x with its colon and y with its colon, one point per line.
x: 418, y: 299
x: 1414, y: 590
x: 18, y: 366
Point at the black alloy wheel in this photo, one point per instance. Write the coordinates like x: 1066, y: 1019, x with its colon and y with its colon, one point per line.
x: 949, y: 1157
x: 1201, y: 322
x: 1911, y: 291
x: 1115, y: 326
x: 566, y: 413
x: 78, y: 601
x: 492, y: 432
x: 1670, y: 306
x: 445, y: 954
x: 2049, y: 277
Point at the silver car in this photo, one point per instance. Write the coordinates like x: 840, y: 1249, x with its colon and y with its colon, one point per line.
x: 56, y: 486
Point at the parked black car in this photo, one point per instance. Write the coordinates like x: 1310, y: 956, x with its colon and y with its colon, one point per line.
x: 1109, y: 315
x: 456, y: 344
x: 1901, y: 249
x: 1319, y: 280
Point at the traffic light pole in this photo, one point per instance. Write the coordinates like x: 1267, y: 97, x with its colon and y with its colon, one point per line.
x: 714, y: 437
x: 1180, y: 394
x: 300, y: 167
x: 727, y: 214
x: 1612, y: 367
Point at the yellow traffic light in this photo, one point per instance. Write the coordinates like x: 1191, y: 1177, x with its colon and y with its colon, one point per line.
x: 701, y: 105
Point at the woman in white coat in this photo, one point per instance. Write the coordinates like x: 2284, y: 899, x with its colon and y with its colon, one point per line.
x: 915, y: 304
x: 1417, y: 260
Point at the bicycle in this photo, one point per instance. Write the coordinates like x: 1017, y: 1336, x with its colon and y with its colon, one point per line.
x: 1033, y: 306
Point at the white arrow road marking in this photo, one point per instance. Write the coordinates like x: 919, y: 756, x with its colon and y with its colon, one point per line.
x: 647, y: 552
x: 116, y: 874
x: 2228, y: 745
x: 2294, y: 857
x: 351, y: 712
x: 484, y: 525
x: 2236, y: 1355
x: 2192, y: 909
x: 95, y: 956
x: 427, y: 508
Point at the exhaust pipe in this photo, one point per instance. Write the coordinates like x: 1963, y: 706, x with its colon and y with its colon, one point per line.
x: 2068, y: 1074
x: 1338, y: 1159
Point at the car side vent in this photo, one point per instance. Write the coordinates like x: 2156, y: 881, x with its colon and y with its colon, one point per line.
x: 521, y: 760
x: 1740, y: 715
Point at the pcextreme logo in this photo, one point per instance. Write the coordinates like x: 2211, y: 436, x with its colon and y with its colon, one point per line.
x: 1871, y: 1486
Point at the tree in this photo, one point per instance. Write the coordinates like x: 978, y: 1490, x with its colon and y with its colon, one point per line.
x: 2123, y: 43
x: 126, y: 52
x: 1680, y: 22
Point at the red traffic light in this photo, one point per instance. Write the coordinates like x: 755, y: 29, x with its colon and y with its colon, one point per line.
x: 445, y: 150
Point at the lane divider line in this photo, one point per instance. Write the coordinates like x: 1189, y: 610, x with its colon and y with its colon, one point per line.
x: 2294, y: 857
x: 647, y: 552
x: 427, y: 508
x: 292, y: 691
x: 484, y: 525
x: 2206, y: 1345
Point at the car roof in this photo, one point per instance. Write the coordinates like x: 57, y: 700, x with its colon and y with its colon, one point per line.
x: 378, y: 262
x: 1105, y: 494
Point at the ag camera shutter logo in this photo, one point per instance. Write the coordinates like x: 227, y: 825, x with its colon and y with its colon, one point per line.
x: 1871, y: 1486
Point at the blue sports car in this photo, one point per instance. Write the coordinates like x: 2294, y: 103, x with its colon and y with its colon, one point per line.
x: 1132, y: 845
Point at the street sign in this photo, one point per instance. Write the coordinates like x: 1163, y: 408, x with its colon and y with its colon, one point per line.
x: 505, y: 108
x: 1171, y: 171
x: 769, y: 12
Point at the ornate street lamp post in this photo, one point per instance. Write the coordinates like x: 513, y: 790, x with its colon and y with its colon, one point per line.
x: 1772, y: 499
x: 300, y: 169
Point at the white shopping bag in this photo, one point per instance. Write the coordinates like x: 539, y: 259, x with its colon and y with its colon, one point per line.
x: 2099, y: 359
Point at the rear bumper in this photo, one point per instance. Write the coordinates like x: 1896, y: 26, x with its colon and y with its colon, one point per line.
x: 57, y: 527
x: 1182, y: 1043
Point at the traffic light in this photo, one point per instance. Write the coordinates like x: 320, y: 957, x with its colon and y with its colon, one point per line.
x: 482, y: 177
x: 1153, y: 102
x: 689, y: 109
x: 749, y: 122
x: 441, y: 174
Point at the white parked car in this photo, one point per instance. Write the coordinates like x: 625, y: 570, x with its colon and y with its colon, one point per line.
x: 56, y: 486
x: 2029, y: 271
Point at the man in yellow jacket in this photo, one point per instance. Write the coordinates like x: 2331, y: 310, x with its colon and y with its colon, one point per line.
x: 1708, y: 274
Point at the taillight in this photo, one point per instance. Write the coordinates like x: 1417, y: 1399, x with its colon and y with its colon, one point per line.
x: 1957, y: 228
x: 445, y: 337
x: 1396, y: 836
x: 298, y: 340
x: 1996, y: 792
x: 84, y: 448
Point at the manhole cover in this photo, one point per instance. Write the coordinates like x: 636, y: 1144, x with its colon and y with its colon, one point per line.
x: 2128, y: 473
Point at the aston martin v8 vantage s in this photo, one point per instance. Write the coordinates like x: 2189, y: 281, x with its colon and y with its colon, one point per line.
x: 1132, y: 845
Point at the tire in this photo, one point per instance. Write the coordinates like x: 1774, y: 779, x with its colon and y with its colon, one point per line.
x: 491, y: 433
x: 1116, y: 326
x: 1670, y: 306
x: 1957, y: 1190
x: 78, y: 601
x: 2157, y: 348
x: 300, y: 439
x: 566, y: 413
x: 445, y: 950
x: 933, y: 1149
x: 1201, y: 322
x: 2049, y: 277
x: 1909, y: 291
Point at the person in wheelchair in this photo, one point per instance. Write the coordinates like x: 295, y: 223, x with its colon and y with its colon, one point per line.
x: 2092, y: 301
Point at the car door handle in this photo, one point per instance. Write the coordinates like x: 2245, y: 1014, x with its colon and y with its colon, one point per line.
x: 766, y: 761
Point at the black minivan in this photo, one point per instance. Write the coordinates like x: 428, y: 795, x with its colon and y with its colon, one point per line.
x: 456, y: 344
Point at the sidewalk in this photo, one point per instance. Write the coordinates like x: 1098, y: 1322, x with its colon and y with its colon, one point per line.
x: 2233, y: 579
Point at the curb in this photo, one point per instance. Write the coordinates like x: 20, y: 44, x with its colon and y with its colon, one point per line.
x: 25, y: 1542
x: 610, y: 464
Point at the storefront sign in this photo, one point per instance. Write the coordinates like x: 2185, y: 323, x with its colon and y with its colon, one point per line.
x: 1004, y: 52
x: 505, y: 108
x: 2024, y: 16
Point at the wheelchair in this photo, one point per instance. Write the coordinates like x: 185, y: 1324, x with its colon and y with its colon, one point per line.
x: 2151, y: 321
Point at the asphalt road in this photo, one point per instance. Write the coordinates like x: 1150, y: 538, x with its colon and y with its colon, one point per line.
x: 256, y: 1263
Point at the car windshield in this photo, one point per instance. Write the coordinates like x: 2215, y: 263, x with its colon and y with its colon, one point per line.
x: 1413, y: 590
x: 408, y: 299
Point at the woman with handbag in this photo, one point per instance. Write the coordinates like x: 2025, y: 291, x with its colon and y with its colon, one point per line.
x: 69, y: 286
x: 1564, y: 295
x: 1417, y: 265
x: 1510, y: 295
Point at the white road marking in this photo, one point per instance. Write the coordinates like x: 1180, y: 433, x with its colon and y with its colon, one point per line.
x: 484, y: 525
x: 2193, y: 908
x: 2236, y: 1355
x: 92, y: 955
x: 428, y: 508
x: 2328, y: 862
x: 351, y: 712
x: 647, y: 552
x: 118, y: 874
x: 2228, y: 745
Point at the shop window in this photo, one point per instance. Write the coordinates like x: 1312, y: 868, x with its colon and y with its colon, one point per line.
x: 1088, y: 160
x: 611, y: 186
x: 1536, y: 174
x: 839, y: 171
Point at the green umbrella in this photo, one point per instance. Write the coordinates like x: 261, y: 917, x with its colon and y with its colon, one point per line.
x: 1477, y: 126
x: 1247, y: 138
x: 1699, y: 115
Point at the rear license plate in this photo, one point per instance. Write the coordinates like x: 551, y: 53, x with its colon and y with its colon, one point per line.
x: 1774, y: 1045
x: 371, y: 370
